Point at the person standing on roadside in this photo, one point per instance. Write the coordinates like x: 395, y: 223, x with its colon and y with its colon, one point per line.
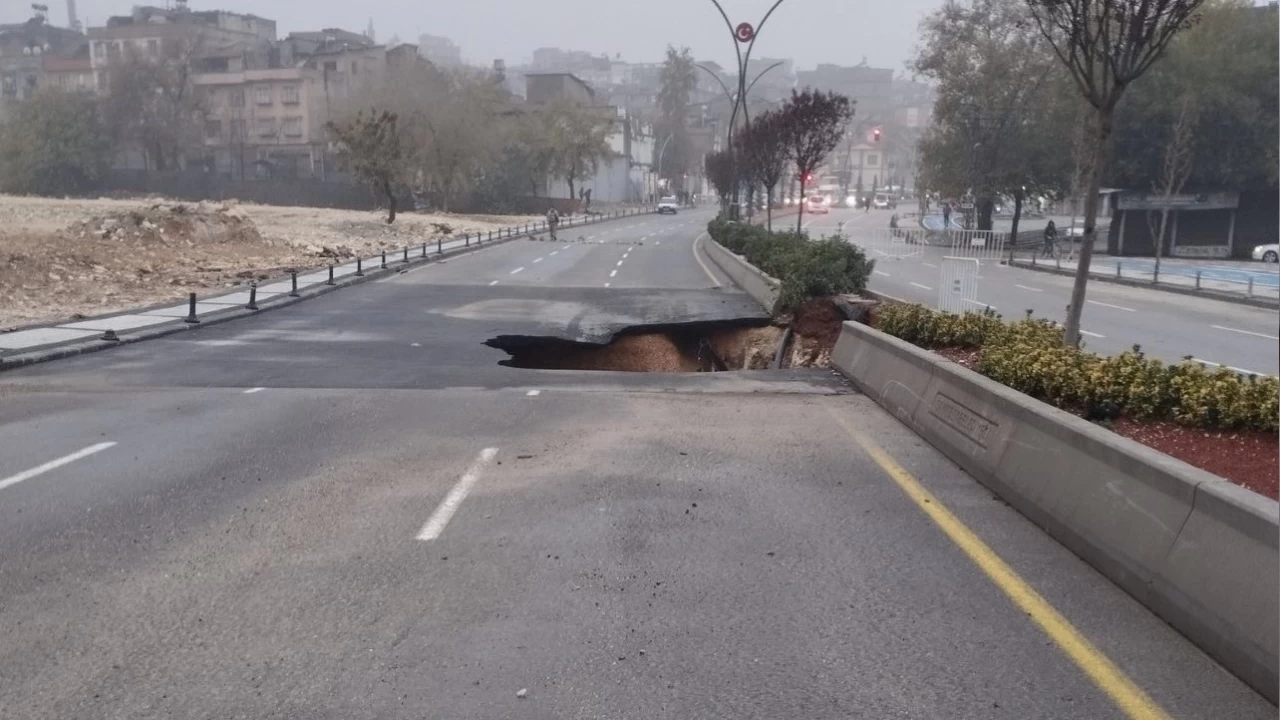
x: 946, y: 216
x: 1050, y: 240
x: 553, y: 222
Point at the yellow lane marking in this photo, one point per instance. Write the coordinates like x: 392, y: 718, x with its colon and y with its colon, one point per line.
x: 1110, y: 679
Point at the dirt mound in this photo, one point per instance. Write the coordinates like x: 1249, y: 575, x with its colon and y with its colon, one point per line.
x: 818, y: 320
x: 165, y: 224
x: 747, y: 348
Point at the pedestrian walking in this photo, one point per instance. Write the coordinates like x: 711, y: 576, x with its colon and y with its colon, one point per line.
x: 946, y: 216
x: 553, y: 222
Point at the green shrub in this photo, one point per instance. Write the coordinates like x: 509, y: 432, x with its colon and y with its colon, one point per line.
x: 806, y: 268
x: 1029, y: 356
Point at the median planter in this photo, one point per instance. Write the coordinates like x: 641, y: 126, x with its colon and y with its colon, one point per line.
x: 1195, y: 549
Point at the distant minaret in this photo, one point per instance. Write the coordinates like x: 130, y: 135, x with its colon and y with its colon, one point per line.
x: 369, y: 33
x: 73, y: 21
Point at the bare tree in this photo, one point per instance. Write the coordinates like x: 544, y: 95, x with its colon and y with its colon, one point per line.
x: 372, y: 146
x: 814, y: 123
x: 152, y: 103
x: 764, y: 152
x: 1174, y: 171
x: 1106, y: 45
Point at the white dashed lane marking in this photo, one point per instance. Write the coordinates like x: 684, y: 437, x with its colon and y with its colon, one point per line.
x: 253, y: 390
x: 513, y: 272
x: 54, y: 464
x: 440, y: 518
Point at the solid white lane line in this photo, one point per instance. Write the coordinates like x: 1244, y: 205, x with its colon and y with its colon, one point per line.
x: 1024, y: 287
x: 536, y: 261
x: 1116, y: 307
x: 613, y: 273
x: 922, y: 287
x: 979, y: 302
x: 1229, y: 367
x: 701, y: 264
x: 513, y: 272
x: 882, y: 273
x: 495, y: 282
x: 1091, y: 334
x: 449, y: 506
x: 54, y: 464
x: 251, y: 391
x: 1245, y: 332
x: 534, y: 393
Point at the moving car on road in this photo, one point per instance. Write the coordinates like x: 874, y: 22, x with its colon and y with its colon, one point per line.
x: 884, y: 201
x: 667, y: 205
x: 817, y: 205
x: 1267, y: 253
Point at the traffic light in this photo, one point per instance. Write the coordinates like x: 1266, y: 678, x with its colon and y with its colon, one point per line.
x: 876, y: 134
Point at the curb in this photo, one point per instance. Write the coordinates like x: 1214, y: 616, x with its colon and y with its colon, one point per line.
x: 762, y: 288
x: 217, y: 317
x: 1257, y: 302
x: 1195, y: 549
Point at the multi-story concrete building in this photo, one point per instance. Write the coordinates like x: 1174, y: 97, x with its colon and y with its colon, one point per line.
x: 26, y: 49
x: 440, y: 50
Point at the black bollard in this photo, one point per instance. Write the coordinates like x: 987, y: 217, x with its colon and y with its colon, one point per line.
x: 293, y: 278
x: 490, y: 236
x: 110, y: 336
x: 191, y: 310
x: 405, y: 259
x: 439, y: 245
x: 359, y: 267
x: 253, y: 297
x: 466, y: 240
x: 330, y: 280
x: 384, y: 259
x: 424, y: 249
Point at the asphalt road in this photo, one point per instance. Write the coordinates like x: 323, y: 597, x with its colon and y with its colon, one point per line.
x: 348, y: 509
x: 1166, y: 325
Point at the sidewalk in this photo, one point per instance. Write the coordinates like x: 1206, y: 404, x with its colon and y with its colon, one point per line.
x: 161, y: 320
x: 1242, y: 282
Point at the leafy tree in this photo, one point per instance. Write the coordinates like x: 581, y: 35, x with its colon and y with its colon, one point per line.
x: 53, y: 144
x: 722, y: 172
x: 676, y: 85
x: 373, y: 148
x: 999, y: 119
x: 1106, y: 45
x: 580, y: 136
x: 813, y: 123
x: 459, y: 124
x: 1228, y: 63
x: 151, y: 103
x: 764, y: 152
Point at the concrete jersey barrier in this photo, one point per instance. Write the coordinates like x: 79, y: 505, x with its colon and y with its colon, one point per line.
x: 1197, y: 550
x: 763, y: 288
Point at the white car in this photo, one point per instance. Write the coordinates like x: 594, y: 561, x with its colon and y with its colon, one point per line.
x: 668, y: 204
x: 1267, y: 253
x: 817, y: 205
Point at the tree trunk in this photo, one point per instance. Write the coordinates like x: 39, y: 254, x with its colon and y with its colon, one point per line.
x: 1164, y: 223
x: 571, y: 188
x: 391, y: 201
x: 984, y: 208
x: 800, y: 215
x: 768, y: 209
x: 1017, y: 216
x: 1071, y: 333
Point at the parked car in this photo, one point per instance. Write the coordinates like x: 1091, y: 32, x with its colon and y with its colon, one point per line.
x: 1267, y: 253
x: 817, y: 205
x: 668, y: 205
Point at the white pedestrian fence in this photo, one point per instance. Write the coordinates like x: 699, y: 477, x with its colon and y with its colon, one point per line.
x: 899, y: 243
x: 958, y: 284
x: 978, y: 244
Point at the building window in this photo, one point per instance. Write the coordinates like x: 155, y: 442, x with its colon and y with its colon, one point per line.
x: 113, y: 51
x: 153, y: 48
x: 289, y: 94
x: 331, y: 66
x: 213, y: 129
x: 235, y: 97
x: 99, y: 49
x: 238, y: 131
x: 873, y: 160
x: 262, y: 94
x: 266, y: 127
x: 293, y: 127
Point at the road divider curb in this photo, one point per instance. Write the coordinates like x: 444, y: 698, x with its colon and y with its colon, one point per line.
x: 1197, y: 550
x: 750, y: 279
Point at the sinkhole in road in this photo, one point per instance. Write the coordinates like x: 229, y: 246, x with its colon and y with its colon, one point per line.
x: 710, y: 346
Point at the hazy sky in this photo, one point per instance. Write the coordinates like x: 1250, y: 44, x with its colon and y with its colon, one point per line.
x: 810, y: 31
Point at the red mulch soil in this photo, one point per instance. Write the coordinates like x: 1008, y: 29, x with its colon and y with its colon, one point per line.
x: 1248, y: 458
x: 818, y: 320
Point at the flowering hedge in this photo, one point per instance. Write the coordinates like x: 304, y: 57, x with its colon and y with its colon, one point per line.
x: 1029, y: 356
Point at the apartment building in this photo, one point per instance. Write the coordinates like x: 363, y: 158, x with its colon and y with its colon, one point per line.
x: 25, y: 50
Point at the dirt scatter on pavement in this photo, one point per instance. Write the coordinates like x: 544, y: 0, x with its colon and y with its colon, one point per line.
x: 64, y: 259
